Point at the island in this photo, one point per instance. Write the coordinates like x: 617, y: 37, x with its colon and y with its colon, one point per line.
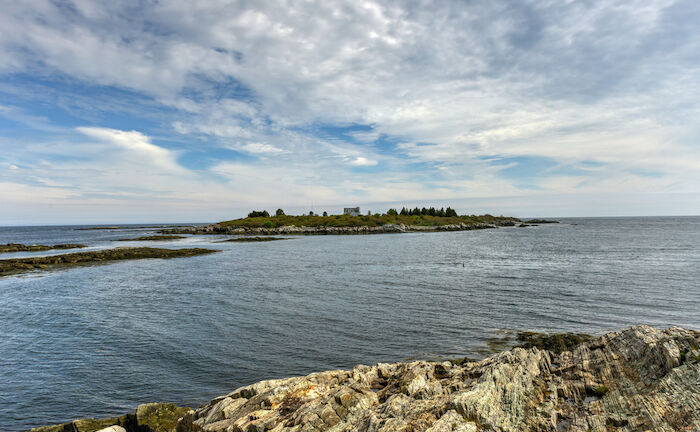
x: 23, y: 265
x: 18, y: 247
x: 393, y: 221
x: 639, y: 379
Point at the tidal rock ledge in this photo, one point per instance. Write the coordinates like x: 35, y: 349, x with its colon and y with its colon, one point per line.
x: 636, y: 380
x: 22, y: 265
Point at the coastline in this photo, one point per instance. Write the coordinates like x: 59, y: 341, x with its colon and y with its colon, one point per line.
x: 333, y: 230
x: 641, y: 378
x: 12, y: 266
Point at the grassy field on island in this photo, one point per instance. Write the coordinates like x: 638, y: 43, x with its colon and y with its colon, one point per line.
x: 364, y: 220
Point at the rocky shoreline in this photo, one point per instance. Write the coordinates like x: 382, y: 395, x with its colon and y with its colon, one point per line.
x: 23, y: 265
x: 639, y: 379
x: 18, y: 247
x: 332, y: 230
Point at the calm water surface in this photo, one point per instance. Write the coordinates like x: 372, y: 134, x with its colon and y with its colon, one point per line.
x: 97, y: 341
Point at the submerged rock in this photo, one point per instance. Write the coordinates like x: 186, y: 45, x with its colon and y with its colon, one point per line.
x: 627, y: 381
x: 541, y: 221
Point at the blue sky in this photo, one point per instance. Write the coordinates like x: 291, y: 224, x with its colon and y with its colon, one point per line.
x: 173, y: 111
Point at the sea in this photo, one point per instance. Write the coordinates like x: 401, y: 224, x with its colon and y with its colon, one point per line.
x: 97, y: 341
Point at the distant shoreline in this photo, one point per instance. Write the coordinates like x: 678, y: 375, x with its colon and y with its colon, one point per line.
x: 347, y: 225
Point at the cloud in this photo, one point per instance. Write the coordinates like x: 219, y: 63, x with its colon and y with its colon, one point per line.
x: 363, y: 162
x: 22, y: 193
x: 261, y: 148
x: 425, y: 93
x: 137, y: 144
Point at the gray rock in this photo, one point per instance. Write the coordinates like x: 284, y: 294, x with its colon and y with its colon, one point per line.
x: 113, y: 429
x: 636, y: 380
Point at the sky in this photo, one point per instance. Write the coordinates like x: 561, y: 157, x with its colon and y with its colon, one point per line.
x: 180, y: 111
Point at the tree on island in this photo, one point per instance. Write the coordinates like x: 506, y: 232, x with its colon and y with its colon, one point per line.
x: 256, y: 213
x: 432, y: 211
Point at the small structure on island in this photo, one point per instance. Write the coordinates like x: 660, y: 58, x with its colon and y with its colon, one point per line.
x: 352, y: 211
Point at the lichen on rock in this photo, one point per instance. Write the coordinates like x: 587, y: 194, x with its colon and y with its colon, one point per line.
x: 159, y: 417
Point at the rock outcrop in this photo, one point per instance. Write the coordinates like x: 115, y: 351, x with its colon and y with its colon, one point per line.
x: 636, y: 380
x: 151, y: 417
x: 22, y: 265
x: 154, y: 238
x: 18, y: 247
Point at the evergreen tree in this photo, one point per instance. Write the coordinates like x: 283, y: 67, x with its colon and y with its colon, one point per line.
x: 255, y: 213
x: 279, y: 212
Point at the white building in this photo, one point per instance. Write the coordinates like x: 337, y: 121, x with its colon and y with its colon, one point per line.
x: 352, y: 211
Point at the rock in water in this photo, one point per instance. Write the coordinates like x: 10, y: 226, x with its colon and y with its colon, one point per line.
x: 90, y: 425
x: 151, y: 417
x: 636, y: 380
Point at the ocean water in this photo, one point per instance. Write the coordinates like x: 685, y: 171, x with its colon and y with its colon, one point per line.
x: 97, y: 341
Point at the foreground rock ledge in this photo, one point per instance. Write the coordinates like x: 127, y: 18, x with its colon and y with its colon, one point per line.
x: 640, y: 379
x: 636, y: 380
x: 150, y: 417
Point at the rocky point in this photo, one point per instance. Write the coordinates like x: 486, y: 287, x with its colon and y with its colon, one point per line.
x: 640, y: 379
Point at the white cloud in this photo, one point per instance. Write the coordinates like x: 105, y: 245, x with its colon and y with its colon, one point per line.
x: 261, y: 148
x: 362, y: 161
x: 23, y: 193
x: 137, y: 144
